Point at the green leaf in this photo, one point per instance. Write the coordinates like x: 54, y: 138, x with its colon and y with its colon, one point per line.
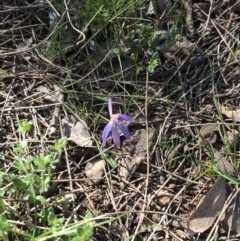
x: 174, y: 31
x: 89, y: 215
x: 48, y: 160
x: 153, y: 63
x: 41, y: 199
x: 112, y: 162
x: 4, y: 226
x: 32, y: 178
x: 157, y: 33
x: 178, y: 37
x: 59, y: 144
x: 2, y: 206
x: 117, y: 51
x: 109, y: 160
x: 18, y: 184
x: 21, y: 146
x: 28, y: 196
x: 39, y: 162
x: 78, y: 239
x: 1, y: 179
x: 151, y: 69
x: 25, y: 126
x: 155, y: 56
x: 150, y: 52
x: 52, y: 218
x: 85, y: 232
x: 47, y: 180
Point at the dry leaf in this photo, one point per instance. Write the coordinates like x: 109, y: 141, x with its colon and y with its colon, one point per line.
x: 223, y: 164
x: 233, y: 137
x: 77, y: 131
x: 207, y: 133
x: 48, y: 94
x: 205, y: 214
x: 163, y: 197
x: 232, y: 114
x: 150, y: 10
x: 183, y: 47
x: 231, y: 218
x: 134, y: 151
x: 128, y: 167
x: 95, y: 170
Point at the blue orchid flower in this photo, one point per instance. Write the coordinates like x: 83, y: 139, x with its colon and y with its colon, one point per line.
x: 115, y: 123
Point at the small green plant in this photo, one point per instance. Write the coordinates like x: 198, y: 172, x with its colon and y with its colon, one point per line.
x: 153, y: 63
x: 5, y: 226
x: 37, y: 170
x: 175, y: 33
x: 30, y: 177
x: 24, y: 127
x: 144, y: 39
x: 85, y: 232
x: 53, y: 221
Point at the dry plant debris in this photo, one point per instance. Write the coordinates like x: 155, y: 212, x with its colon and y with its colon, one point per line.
x: 208, y: 210
x: 207, y: 133
x: 212, y: 205
x: 223, y: 164
x: 95, y: 170
x: 232, y: 114
x: 134, y: 152
x: 231, y: 217
x: 167, y: 64
x: 77, y: 131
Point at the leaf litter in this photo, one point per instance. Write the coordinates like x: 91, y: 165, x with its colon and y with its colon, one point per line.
x: 231, y: 217
x: 95, y: 170
x: 211, y: 206
x: 208, y: 210
x: 232, y: 114
x: 180, y: 97
x: 77, y: 131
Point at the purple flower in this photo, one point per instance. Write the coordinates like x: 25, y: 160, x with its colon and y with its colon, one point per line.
x: 114, y: 124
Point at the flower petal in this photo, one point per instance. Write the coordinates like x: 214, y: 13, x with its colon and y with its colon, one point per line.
x: 125, y: 117
x: 110, y: 106
x: 107, y: 129
x: 115, y: 135
x: 124, y: 129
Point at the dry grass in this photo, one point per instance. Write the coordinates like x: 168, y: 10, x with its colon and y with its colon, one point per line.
x: 175, y: 102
